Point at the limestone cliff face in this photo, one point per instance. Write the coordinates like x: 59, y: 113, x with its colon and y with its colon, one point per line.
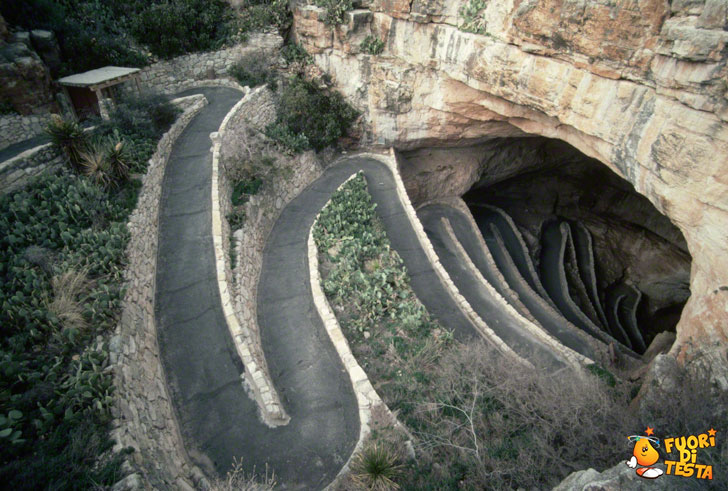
x: 639, y: 85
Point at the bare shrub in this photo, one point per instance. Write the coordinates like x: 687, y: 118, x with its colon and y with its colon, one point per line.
x: 491, y: 422
x: 237, y: 479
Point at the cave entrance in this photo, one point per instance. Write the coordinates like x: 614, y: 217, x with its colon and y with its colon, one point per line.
x: 603, y: 254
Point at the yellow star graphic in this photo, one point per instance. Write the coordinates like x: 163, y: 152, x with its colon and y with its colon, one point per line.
x: 711, y: 432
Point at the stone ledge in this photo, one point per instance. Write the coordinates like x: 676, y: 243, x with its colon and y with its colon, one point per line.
x: 598, y: 346
x: 366, y: 396
x: 575, y: 359
x: 143, y: 416
x: 256, y: 375
x: 485, y: 331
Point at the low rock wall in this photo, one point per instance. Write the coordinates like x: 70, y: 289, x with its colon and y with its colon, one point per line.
x: 16, y: 172
x: 239, y: 287
x: 143, y: 415
x: 16, y: 127
x: 186, y: 71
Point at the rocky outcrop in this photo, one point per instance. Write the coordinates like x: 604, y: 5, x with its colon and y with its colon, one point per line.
x: 639, y: 86
x: 25, y: 82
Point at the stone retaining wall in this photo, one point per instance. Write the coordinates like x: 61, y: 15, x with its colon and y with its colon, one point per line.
x: 254, y: 112
x: 16, y: 172
x: 186, y: 71
x: 143, y: 415
x: 16, y: 127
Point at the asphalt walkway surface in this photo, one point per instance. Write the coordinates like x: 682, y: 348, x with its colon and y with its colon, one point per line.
x: 489, y: 308
x: 548, y: 318
x: 218, y: 421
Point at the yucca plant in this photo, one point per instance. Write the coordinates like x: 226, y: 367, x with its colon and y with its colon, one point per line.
x: 376, y: 467
x: 105, y: 162
x: 69, y: 137
x: 95, y: 164
x: 118, y: 160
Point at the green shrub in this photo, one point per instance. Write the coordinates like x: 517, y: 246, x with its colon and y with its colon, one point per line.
x: 372, y: 45
x: 245, y: 188
x: 290, y: 142
x: 335, y: 10
x: 304, y: 109
x: 473, y: 16
x: 6, y: 107
x: 253, y: 70
x: 183, y: 26
x: 61, y: 262
x: 69, y: 137
x: 257, y: 15
x: 236, y: 219
x: 295, y: 53
x: 147, y: 115
x: 90, y: 34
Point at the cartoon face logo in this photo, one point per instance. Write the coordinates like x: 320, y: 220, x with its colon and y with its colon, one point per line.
x: 645, y: 455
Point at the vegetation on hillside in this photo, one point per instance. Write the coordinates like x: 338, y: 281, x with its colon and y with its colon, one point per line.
x: 95, y: 33
x: 309, y: 117
x: 480, y: 420
x: 62, y: 242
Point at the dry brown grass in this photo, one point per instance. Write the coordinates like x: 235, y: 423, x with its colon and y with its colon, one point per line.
x: 238, y: 480
x: 69, y: 289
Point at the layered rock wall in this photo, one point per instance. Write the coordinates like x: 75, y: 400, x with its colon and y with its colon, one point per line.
x: 639, y: 85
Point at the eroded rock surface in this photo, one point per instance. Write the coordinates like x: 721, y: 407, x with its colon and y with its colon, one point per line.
x: 639, y: 86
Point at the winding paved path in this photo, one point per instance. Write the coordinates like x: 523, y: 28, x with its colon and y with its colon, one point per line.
x: 216, y: 417
x: 485, y: 304
x: 218, y: 421
x: 541, y: 311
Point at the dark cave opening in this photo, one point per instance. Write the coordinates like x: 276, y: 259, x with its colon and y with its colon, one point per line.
x: 571, y: 208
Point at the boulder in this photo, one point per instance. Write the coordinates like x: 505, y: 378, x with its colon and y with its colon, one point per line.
x: 46, y: 46
x: 25, y: 80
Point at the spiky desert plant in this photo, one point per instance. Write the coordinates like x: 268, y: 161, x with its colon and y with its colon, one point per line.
x: 237, y: 479
x: 118, y: 160
x: 95, y: 164
x: 69, y: 137
x: 376, y: 467
x: 105, y: 162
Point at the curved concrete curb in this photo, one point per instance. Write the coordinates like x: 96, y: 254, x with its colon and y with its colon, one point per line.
x: 256, y: 373
x: 529, y: 261
x: 582, y: 239
x: 600, y: 349
x: 575, y: 279
x: 426, y: 245
x: 458, y: 204
x: 571, y: 356
x: 366, y: 395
